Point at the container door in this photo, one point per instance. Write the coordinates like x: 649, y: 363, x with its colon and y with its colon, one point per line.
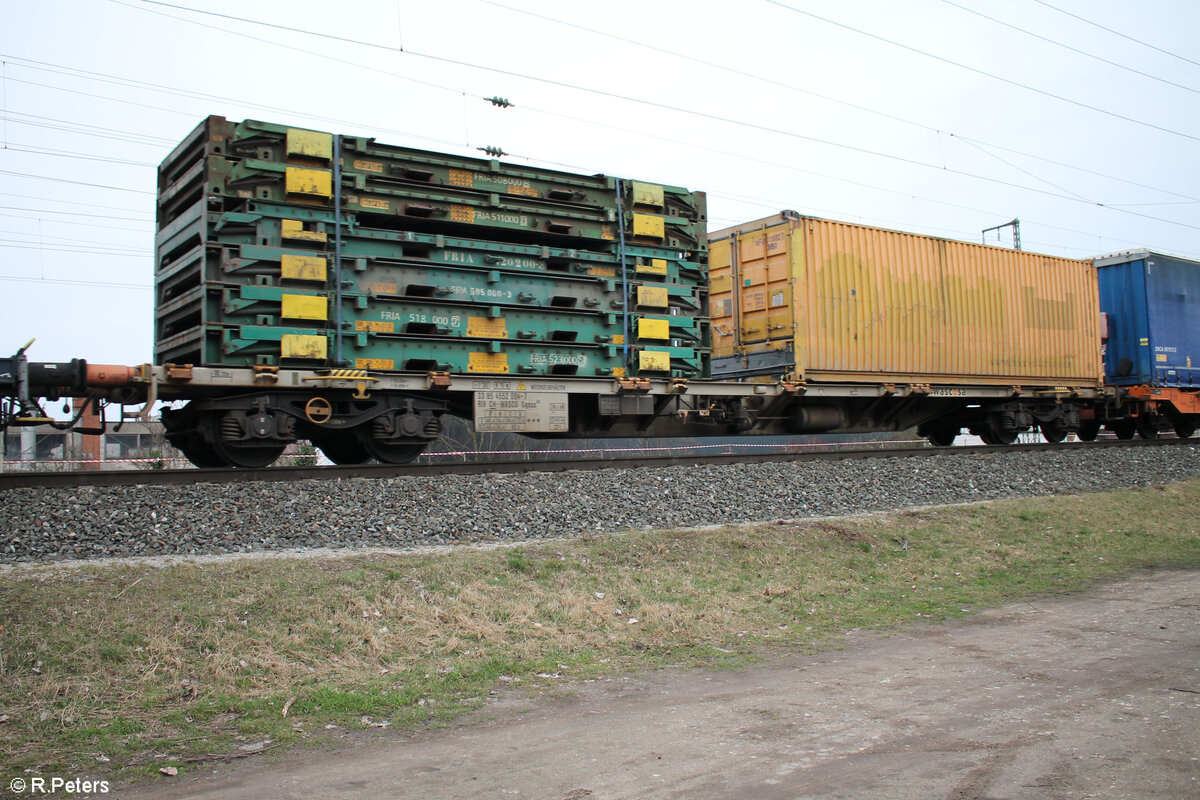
x: 720, y: 301
x: 763, y: 285
x: 751, y: 303
x: 1127, y: 359
x: 1173, y: 307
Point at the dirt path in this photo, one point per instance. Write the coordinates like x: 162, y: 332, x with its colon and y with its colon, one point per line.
x: 1091, y: 696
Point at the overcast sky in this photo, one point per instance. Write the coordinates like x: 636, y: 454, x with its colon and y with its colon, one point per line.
x: 1080, y: 117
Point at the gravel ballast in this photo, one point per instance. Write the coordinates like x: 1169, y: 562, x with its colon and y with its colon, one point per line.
x: 83, y: 523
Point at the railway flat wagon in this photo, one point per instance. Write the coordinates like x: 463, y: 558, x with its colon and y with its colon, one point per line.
x: 818, y: 301
x: 284, y: 250
x: 1151, y: 306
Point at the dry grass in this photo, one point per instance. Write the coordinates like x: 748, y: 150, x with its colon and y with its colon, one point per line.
x: 146, y: 666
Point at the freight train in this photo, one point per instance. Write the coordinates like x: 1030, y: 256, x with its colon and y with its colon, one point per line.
x: 311, y: 286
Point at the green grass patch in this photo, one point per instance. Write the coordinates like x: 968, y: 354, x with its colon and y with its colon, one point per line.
x: 130, y: 663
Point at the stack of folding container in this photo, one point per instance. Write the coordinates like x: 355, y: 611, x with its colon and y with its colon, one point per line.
x: 285, y: 247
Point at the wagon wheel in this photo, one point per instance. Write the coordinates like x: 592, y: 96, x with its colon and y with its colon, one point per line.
x: 390, y: 452
x: 995, y: 436
x: 342, y: 448
x: 183, y: 435
x: 1147, y: 426
x: 1185, y: 426
x: 236, y: 454
x: 197, y: 451
x: 1124, y: 428
x: 1088, y: 431
x: 942, y: 437
x: 1054, y: 432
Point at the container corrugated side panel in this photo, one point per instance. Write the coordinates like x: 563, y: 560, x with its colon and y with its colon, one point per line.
x: 1173, y: 298
x: 1153, y: 307
x: 866, y: 315
x: 897, y: 306
x: 1040, y: 314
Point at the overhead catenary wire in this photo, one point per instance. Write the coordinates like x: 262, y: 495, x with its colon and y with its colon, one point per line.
x: 76, y: 224
x: 1023, y: 171
x: 76, y: 183
x: 776, y: 205
x: 1125, y: 36
x: 107, y: 206
x: 63, y: 248
x: 95, y: 131
x: 1133, y: 205
x: 978, y: 71
x: 964, y: 173
x: 979, y: 144
x: 828, y: 176
x: 618, y: 96
x: 723, y: 119
x: 899, y: 193
x: 828, y: 98
x: 71, y: 282
x: 46, y: 151
x: 38, y: 236
x: 766, y: 203
x: 879, y: 222
x: 74, y: 213
x: 101, y: 97
x: 325, y: 56
x: 1066, y: 46
x: 125, y: 82
x: 121, y: 81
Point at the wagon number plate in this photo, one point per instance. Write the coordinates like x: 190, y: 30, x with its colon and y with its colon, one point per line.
x: 521, y: 412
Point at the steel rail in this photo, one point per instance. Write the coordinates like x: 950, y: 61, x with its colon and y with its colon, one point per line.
x: 278, y: 474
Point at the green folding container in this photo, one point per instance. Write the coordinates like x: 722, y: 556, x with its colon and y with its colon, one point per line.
x: 272, y: 251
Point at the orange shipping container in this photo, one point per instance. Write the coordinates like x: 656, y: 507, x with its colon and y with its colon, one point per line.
x: 832, y: 301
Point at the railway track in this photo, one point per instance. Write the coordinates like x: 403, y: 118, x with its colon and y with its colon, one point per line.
x: 277, y: 474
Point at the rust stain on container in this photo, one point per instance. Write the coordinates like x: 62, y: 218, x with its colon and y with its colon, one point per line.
x: 835, y: 301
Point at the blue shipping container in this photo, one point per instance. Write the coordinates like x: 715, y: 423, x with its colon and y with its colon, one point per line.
x: 1153, y: 307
